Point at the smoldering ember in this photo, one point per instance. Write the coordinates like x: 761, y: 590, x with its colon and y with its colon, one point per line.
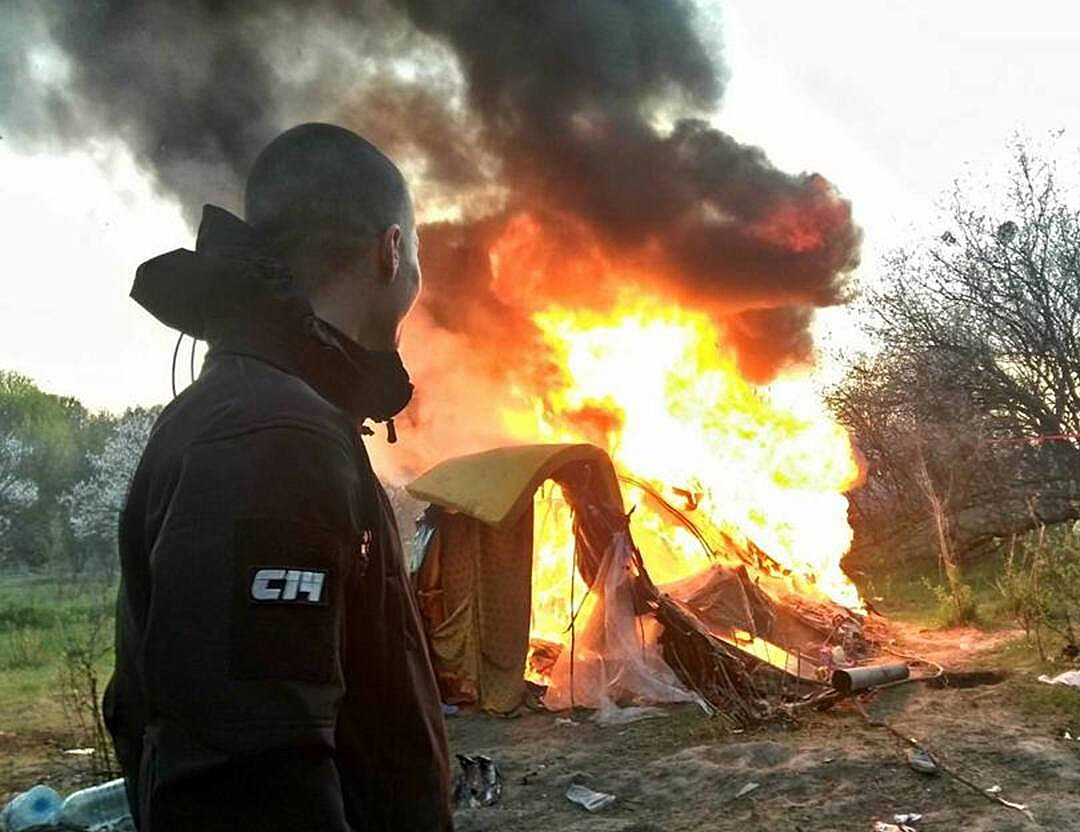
x: 608, y: 414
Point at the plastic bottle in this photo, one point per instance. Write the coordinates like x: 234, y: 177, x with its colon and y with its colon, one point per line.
x: 97, y: 805
x: 40, y: 806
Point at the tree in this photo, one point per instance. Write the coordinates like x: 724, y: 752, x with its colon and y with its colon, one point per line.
x: 60, y: 434
x: 17, y: 491
x: 95, y: 502
x: 972, y: 396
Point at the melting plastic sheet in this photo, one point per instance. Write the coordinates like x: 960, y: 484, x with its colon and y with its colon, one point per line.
x: 616, y: 666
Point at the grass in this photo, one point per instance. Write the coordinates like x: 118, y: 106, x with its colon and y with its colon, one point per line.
x: 906, y: 595
x: 1026, y: 693
x: 38, y: 618
x: 902, y: 592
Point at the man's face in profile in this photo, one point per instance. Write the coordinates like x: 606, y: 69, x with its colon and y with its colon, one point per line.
x: 405, y: 288
x: 410, y: 262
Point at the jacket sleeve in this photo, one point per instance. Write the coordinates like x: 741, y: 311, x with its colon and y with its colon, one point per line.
x: 249, y: 574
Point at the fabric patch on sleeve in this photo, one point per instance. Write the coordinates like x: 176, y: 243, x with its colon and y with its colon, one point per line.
x: 275, y: 585
x: 286, y: 599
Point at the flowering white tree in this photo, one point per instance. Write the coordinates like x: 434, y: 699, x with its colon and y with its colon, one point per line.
x: 94, y: 504
x: 16, y: 489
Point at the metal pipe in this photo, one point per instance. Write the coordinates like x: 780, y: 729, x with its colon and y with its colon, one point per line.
x: 847, y: 681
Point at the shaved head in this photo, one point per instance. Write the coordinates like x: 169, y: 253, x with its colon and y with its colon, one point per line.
x: 317, y: 192
x: 337, y: 212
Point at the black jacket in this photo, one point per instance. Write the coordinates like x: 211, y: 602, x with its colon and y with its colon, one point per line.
x: 271, y: 672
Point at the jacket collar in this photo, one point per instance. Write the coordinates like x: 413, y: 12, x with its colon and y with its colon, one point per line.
x: 233, y: 294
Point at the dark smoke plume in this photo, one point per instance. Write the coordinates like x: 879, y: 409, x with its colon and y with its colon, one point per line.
x: 590, y: 116
x: 195, y: 88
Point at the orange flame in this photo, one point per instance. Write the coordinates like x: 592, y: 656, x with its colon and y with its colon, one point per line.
x: 653, y: 378
x: 653, y: 384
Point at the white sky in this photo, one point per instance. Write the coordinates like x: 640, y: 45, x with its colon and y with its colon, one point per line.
x: 889, y: 100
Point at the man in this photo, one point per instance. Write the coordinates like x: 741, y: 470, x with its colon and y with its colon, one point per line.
x: 270, y: 669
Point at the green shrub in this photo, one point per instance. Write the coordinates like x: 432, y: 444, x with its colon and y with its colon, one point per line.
x: 19, y: 615
x: 85, y: 632
x: 956, y: 603
x: 25, y: 649
x: 1040, y: 584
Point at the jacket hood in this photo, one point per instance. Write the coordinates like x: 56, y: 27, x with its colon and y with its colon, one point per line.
x: 232, y: 293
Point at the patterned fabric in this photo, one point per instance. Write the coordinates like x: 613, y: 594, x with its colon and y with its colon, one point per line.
x: 475, y: 589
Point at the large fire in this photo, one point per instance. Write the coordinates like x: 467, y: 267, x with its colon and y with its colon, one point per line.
x: 754, y: 468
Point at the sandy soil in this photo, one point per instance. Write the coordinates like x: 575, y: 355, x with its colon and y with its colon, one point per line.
x: 832, y: 772
x: 959, y: 647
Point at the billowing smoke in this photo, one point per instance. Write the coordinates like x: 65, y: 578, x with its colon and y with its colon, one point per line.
x: 569, y: 95
x: 585, y: 124
x: 195, y: 88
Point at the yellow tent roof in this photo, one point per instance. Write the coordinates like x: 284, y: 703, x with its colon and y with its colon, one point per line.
x: 496, y: 486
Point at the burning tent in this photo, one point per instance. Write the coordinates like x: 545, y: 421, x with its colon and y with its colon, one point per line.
x: 602, y: 634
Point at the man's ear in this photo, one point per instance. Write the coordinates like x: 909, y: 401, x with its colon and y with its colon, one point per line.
x: 390, y: 253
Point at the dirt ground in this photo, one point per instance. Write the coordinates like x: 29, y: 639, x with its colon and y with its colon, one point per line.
x: 685, y: 771
x: 831, y: 772
x: 35, y: 756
